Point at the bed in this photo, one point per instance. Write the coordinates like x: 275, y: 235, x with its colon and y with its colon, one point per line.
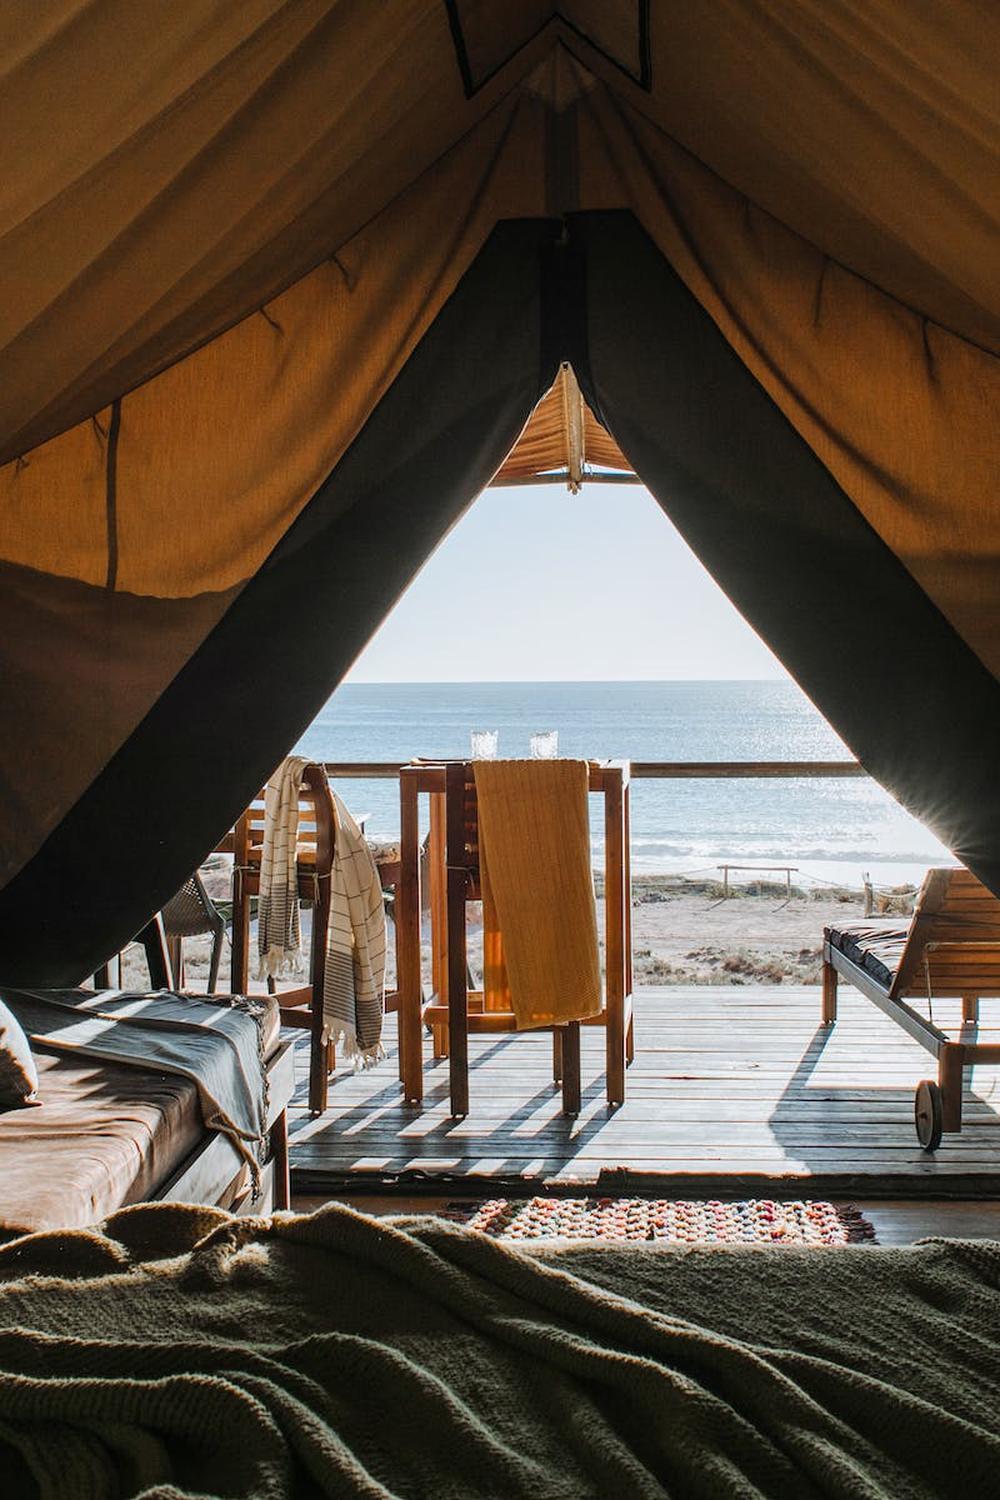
x: 183, y: 1351
x: 111, y: 1133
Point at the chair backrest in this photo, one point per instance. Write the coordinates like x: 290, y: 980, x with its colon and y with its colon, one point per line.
x: 954, y: 938
x: 554, y: 917
x: 191, y: 911
x: 314, y: 854
x: 315, y: 831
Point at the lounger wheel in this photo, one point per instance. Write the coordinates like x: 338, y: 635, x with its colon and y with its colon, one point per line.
x: 928, y: 1114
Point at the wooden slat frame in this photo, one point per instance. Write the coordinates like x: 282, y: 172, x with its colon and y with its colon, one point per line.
x: 209, y: 1171
x: 953, y: 910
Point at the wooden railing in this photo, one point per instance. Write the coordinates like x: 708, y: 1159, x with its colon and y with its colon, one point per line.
x: 650, y: 770
x: 681, y: 770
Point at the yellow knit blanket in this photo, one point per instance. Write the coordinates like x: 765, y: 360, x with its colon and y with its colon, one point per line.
x: 534, y: 850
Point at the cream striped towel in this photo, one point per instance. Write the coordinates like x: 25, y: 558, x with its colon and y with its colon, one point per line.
x: 354, y: 981
x: 279, y: 944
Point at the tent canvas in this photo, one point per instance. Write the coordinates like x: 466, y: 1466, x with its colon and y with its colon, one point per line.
x: 284, y: 283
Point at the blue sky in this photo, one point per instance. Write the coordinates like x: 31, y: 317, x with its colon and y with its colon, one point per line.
x: 536, y: 584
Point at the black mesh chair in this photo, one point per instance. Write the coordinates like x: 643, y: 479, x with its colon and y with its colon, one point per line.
x: 189, y: 914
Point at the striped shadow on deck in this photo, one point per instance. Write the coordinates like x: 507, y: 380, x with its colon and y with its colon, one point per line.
x: 732, y: 1089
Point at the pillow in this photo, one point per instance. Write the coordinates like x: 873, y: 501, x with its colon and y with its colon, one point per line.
x: 18, y: 1074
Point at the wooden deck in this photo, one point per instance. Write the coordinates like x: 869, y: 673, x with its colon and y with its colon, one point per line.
x: 732, y: 1089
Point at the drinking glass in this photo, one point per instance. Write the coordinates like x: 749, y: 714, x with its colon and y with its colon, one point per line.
x: 484, y: 744
x: 545, y: 744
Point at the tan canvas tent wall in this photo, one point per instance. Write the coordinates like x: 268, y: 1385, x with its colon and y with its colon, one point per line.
x: 283, y: 282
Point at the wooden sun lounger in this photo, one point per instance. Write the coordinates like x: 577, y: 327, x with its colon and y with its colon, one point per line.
x: 951, y: 948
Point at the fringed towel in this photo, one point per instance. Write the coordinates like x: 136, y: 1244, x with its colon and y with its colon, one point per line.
x: 354, y: 980
x: 278, y: 938
x: 538, y: 891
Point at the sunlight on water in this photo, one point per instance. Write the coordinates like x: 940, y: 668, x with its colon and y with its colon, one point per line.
x: 833, y: 830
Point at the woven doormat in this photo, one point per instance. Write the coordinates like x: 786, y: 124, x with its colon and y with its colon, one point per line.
x: 750, y: 1221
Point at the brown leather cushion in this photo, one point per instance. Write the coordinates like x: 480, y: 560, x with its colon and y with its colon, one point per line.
x: 106, y: 1135
x: 876, y: 947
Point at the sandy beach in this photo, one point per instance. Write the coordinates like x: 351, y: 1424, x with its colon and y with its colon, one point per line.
x: 696, y: 937
x: 683, y: 933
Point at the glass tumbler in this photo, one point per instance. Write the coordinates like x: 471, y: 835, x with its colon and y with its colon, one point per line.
x: 545, y: 744
x: 484, y: 743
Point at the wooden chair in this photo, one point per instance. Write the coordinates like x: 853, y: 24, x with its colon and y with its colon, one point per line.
x: 315, y: 853
x: 301, y: 1007
x: 455, y: 1009
x: 950, y: 948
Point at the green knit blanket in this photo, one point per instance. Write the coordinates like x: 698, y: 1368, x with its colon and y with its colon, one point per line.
x: 176, y: 1351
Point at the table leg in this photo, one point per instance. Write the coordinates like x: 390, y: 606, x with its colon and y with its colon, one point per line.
x: 438, y: 896
x: 458, y: 982
x: 614, y: 943
x: 408, y: 943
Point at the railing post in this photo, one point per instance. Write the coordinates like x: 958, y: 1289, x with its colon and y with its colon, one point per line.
x: 455, y: 939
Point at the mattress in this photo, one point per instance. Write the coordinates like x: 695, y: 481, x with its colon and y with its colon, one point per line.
x: 106, y: 1135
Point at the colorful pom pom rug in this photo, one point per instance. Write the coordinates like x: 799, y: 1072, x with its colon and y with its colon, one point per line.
x: 750, y: 1221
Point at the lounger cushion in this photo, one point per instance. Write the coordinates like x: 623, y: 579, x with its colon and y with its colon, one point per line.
x: 876, y: 947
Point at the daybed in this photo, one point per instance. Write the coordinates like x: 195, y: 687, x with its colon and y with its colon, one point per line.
x: 110, y: 1133
x: 183, y: 1352
x: 950, y: 948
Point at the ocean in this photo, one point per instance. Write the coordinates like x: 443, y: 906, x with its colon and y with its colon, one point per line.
x: 831, y: 830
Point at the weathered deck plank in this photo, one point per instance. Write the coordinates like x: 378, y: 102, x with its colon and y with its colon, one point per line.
x: 729, y: 1084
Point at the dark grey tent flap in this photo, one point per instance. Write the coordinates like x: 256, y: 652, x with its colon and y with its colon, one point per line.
x: 253, y: 686
x: 779, y: 535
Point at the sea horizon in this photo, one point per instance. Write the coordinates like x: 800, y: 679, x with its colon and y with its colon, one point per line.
x: 476, y: 682
x: 833, y: 831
